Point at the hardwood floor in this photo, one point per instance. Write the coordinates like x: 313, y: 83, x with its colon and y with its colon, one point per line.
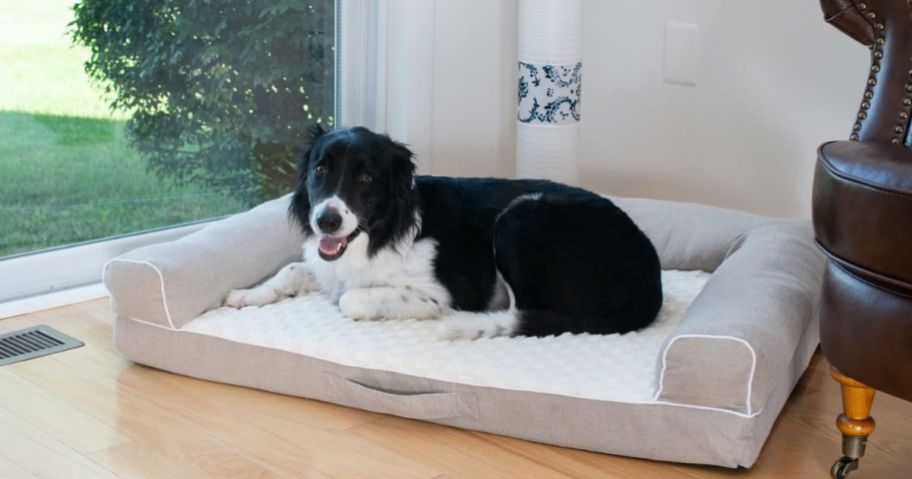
x: 90, y: 413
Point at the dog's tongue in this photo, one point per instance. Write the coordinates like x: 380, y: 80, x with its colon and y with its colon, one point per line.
x: 331, y: 244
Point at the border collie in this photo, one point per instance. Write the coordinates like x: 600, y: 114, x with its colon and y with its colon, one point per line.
x: 487, y: 257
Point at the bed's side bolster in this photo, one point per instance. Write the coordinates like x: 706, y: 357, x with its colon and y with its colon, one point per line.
x: 739, y: 336
x: 171, y: 283
x: 689, y: 235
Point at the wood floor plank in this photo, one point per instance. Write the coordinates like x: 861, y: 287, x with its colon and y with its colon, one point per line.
x: 292, y: 440
x: 155, y: 429
x: 577, y: 463
x: 66, y: 423
x: 136, y: 460
x: 453, y: 452
x: 42, y: 455
x: 138, y: 422
x: 10, y: 470
x: 456, y: 453
x: 146, y: 403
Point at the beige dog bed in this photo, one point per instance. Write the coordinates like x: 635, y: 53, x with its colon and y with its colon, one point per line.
x: 701, y: 385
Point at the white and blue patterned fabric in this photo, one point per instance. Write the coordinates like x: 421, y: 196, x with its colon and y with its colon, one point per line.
x: 549, y: 94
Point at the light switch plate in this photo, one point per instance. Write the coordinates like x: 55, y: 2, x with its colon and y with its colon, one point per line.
x: 682, y: 50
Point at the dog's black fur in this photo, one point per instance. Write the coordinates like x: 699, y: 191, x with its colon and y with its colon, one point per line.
x: 574, y: 261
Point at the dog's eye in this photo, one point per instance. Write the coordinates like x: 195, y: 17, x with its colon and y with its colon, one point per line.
x: 320, y: 170
x: 365, y: 179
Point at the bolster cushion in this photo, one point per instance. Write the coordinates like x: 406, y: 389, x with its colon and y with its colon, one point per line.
x: 864, y: 191
x: 171, y: 283
x: 742, y: 331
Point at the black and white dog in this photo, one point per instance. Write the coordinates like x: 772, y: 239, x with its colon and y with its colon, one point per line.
x: 488, y: 257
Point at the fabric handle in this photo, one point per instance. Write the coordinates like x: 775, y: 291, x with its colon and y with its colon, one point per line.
x: 430, y: 405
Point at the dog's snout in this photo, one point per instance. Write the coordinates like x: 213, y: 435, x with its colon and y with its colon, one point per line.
x: 329, y: 220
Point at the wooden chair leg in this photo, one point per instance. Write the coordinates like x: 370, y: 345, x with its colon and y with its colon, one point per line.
x: 855, y: 423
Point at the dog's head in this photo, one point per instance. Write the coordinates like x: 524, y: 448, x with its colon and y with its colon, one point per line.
x: 353, y: 181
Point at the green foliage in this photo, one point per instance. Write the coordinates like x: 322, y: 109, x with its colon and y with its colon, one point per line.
x: 218, y: 91
x: 71, y: 179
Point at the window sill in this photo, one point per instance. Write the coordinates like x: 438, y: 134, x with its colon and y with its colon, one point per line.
x: 52, y: 300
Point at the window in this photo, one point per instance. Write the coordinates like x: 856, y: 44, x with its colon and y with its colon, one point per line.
x: 120, y: 117
x: 210, y: 101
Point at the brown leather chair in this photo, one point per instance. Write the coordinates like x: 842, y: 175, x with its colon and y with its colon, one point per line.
x: 862, y: 210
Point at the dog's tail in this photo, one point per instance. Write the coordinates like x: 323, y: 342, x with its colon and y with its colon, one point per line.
x: 515, y: 322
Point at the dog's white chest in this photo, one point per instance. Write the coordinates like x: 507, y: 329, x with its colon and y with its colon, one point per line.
x: 409, y: 265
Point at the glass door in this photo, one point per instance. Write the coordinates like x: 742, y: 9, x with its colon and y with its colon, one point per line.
x: 118, y: 117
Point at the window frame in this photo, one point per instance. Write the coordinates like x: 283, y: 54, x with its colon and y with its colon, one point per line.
x: 386, y: 70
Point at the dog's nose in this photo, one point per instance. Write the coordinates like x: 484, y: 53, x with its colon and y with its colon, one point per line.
x: 329, y: 221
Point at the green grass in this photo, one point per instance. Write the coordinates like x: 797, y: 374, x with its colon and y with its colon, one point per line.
x: 67, y: 174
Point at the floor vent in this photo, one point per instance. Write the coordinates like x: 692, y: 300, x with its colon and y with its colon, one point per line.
x: 33, y: 343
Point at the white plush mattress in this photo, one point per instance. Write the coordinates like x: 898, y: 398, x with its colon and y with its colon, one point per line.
x: 616, y: 367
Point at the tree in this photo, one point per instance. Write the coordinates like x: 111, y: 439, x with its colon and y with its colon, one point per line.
x: 218, y: 91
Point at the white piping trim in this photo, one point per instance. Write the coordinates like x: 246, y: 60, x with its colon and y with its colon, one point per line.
x: 750, y: 379
x: 155, y: 325
x: 640, y: 403
x: 161, y: 279
x: 706, y: 408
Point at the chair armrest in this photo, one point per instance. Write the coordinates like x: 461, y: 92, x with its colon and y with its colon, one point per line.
x: 748, y: 325
x: 171, y: 283
x: 861, y: 205
x: 877, y: 165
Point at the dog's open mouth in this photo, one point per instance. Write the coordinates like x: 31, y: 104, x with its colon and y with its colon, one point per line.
x: 332, y: 247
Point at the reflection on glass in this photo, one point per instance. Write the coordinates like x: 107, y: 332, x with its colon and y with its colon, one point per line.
x: 119, y: 116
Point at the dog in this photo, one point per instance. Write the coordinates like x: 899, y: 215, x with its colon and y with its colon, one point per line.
x: 485, y: 257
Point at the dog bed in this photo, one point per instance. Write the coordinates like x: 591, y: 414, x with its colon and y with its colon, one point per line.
x: 703, y: 384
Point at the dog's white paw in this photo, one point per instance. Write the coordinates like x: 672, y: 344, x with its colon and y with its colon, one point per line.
x: 462, y: 325
x: 358, y: 304
x: 239, y: 298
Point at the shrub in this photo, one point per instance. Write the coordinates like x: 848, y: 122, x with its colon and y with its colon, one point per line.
x: 218, y: 91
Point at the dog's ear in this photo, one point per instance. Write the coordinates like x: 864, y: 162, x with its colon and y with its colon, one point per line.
x: 402, y: 200
x: 299, y: 209
x: 403, y: 166
x: 314, y: 132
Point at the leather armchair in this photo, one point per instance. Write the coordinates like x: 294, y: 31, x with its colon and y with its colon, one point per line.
x: 862, y: 208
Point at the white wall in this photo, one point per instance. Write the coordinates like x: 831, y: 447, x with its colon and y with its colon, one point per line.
x: 474, y: 100
x: 774, y: 82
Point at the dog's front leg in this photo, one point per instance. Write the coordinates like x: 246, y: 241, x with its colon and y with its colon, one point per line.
x: 389, y: 302
x: 292, y: 280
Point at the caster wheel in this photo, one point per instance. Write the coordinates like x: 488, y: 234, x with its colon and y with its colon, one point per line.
x: 843, y: 467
